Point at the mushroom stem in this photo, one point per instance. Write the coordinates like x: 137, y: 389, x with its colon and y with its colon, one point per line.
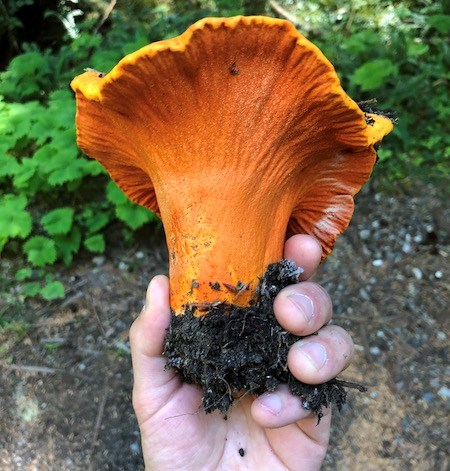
x: 219, y: 251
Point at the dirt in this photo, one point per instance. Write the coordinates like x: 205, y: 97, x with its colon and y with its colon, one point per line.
x: 230, y: 351
x: 65, y: 385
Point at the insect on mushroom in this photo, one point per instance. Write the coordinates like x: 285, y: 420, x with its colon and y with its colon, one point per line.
x: 232, y: 167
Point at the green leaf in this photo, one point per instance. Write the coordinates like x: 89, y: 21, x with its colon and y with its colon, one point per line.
x: 53, y: 290
x: 67, y: 245
x: 8, y: 165
x: 133, y: 215
x: 27, y: 170
x: 58, y: 221
x: 373, y: 74
x: 362, y: 42
x: 440, y: 22
x: 40, y: 251
x: 23, y: 274
x: 60, y: 163
x: 94, y: 168
x: 114, y: 194
x: 16, y: 121
x: 95, y: 243
x: 31, y: 288
x: 417, y: 49
x: 15, y: 221
x: 97, y: 221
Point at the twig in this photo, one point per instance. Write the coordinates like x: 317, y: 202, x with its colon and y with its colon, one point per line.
x: 98, y: 422
x: 349, y: 384
x: 31, y: 369
x: 106, y: 13
x: 99, y: 321
x: 282, y: 13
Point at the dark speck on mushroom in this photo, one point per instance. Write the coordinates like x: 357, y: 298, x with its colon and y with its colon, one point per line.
x: 241, y: 451
x: 233, y: 69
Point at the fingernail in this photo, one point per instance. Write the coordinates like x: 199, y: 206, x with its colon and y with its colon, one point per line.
x: 271, y: 402
x: 303, y: 304
x: 315, y: 352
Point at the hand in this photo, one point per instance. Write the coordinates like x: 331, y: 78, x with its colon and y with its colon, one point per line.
x: 272, y: 431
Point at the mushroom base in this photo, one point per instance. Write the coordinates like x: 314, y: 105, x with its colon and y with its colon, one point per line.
x: 234, y: 350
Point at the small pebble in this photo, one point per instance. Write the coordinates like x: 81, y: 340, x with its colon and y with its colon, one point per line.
x: 438, y: 274
x: 435, y: 383
x: 98, y: 261
x: 373, y: 395
x: 444, y: 393
x: 123, y: 266
x: 428, y: 397
x: 417, y: 272
x: 406, y: 247
x: 375, y: 351
x: 364, y: 234
x: 441, y: 335
x: 134, y: 447
x: 377, y: 263
x: 364, y: 294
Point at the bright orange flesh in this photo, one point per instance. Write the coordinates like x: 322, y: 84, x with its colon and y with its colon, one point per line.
x: 237, y: 132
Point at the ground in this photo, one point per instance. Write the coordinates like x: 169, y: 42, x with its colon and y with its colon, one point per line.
x: 65, y: 371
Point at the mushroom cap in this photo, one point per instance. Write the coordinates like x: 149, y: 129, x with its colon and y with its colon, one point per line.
x: 245, y: 98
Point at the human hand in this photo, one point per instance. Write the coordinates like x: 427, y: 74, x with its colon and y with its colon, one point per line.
x: 270, y: 432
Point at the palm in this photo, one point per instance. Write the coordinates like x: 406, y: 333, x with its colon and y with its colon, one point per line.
x: 186, y: 438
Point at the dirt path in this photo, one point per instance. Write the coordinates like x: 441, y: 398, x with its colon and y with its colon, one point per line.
x: 65, y: 373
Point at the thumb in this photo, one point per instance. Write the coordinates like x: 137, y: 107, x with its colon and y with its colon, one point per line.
x: 152, y: 383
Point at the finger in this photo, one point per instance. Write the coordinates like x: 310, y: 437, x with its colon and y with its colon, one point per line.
x: 319, y: 358
x: 147, y: 339
x: 148, y: 330
x: 278, y: 408
x: 305, y: 251
x: 302, y: 309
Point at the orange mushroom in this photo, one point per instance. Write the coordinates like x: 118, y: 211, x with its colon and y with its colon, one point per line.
x: 237, y: 133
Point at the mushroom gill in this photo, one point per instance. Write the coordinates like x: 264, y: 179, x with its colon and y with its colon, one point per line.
x: 236, y: 133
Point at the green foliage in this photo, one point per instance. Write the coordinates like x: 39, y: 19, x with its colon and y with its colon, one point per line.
x: 40, y: 251
x: 373, y: 74
x: 131, y: 214
x: 399, y: 54
x: 53, y: 290
x: 52, y: 198
x: 58, y: 221
x: 15, y: 221
x: 95, y: 243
